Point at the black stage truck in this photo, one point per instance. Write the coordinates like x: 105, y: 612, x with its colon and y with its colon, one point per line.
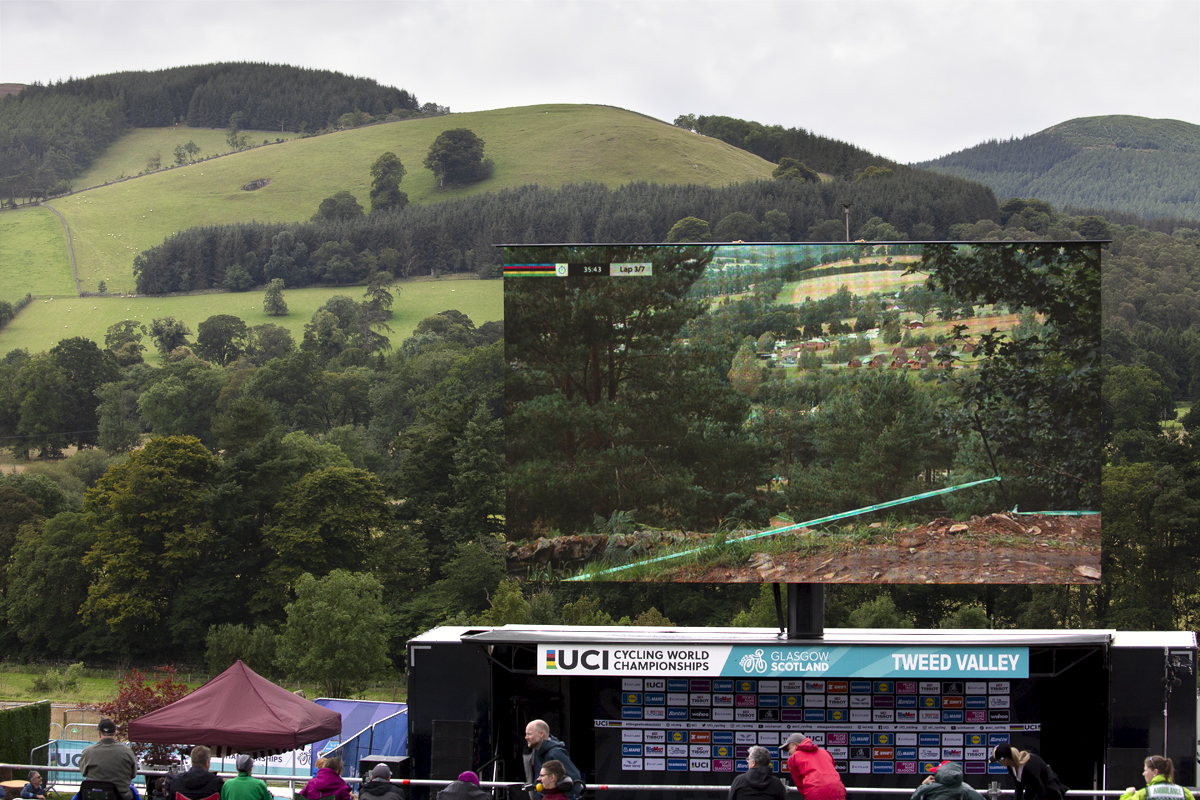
x: 681, y: 706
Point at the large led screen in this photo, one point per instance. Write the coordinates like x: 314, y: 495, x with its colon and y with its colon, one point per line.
x: 803, y: 413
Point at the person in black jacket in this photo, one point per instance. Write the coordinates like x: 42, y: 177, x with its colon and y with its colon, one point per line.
x: 1030, y: 774
x: 465, y: 788
x: 542, y: 748
x: 380, y: 787
x: 198, y: 782
x: 757, y: 782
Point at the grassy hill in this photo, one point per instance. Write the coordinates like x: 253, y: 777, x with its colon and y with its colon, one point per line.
x: 548, y: 145
x: 128, y: 156
x: 45, y: 321
x: 1149, y: 167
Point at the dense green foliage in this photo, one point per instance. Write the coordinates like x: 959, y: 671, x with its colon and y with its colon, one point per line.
x: 46, y: 140
x: 1143, y: 166
x: 265, y: 463
x: 774, y: 143
x: 460, y: 235
x: 50, y: 134
x: 22, y: 729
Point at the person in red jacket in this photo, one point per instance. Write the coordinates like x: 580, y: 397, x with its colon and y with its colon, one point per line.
x: 812, y: 770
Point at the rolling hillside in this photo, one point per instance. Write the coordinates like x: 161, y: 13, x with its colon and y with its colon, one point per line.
x: 1148, y: 167
x: 546, y: 145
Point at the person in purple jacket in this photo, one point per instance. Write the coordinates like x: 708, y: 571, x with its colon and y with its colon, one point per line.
x: 328, y: 782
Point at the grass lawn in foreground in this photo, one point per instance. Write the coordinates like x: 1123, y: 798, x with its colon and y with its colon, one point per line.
x: 33, y: 255
x: 43, y: 323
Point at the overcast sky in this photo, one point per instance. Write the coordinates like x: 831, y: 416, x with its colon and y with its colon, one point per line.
x: 908, y: 80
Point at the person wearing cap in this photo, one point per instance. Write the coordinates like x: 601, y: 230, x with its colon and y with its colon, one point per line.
x: 946, y: 784
x: 1030, y: 774
x: 380, y: 787
x: 327, y: 782
x: 197, y: 783
x: 106, y: 760
x: 757, y: 782
x: 465, y: 788
x: 245, y: 786
x: 1159, y: 773
x: 812, y: 769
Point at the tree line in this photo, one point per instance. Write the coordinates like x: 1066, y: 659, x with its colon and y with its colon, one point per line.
x: 50, y: 134
x: 460, y: 235
x: 774, y: 143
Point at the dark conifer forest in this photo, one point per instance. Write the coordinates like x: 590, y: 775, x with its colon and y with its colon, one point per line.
x: 460, y: 235
x: 51, y: 133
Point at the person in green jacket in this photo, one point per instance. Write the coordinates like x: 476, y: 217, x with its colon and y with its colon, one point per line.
x: 245, y: 787
x: 1160, y: 782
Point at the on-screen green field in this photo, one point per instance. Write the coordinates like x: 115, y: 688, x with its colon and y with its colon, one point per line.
x: 33, y: 255
x: 44, y: 322
x: 547, y: 145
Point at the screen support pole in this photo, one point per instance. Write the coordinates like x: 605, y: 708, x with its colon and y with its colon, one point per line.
x: 805, y: 610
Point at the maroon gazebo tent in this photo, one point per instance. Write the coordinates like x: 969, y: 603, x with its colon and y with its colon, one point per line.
x: 239, y: 711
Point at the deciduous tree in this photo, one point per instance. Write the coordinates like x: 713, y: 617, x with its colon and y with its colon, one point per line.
x: 222, y: 338
x: 336, y: 632
x: 456, y: 157
x: 386, y: 174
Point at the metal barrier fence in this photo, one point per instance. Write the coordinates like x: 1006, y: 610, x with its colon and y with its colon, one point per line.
x: 993, y: 792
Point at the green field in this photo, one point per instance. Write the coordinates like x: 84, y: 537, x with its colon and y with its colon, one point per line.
x: 547, y: 145
x: 128, y: 155
x: 33, y: 255
x: 44, y: 322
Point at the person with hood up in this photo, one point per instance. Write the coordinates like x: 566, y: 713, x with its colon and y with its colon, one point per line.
x: 1029, y: 773
x: 757, y: 782
x: 1160, y: 782
x: 465, y: 788
x: 812, y: 770
x: 543, y: 747
x: 380, y: 786
x: 946, y: 784
x: 245, y: 786
x: 327, y: 782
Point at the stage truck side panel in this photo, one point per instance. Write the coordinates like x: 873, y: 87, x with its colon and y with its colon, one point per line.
x: 681, y: 706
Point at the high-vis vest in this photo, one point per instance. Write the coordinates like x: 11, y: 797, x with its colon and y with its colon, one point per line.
x: 1164, y: 791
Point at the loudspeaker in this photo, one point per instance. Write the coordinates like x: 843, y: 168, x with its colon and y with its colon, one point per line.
x: 401, y: 766
x: 453, y: 748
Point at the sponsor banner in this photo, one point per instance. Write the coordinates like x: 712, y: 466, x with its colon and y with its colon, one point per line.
x: 655, y: 764
x: 776, y: 663
x: 860, y: 767
x: 883, y: 767
x: 722, y: 765
x: 906, y: 768
x: 631, y: 764
x: 631, y: 735
x: 631, y: 749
